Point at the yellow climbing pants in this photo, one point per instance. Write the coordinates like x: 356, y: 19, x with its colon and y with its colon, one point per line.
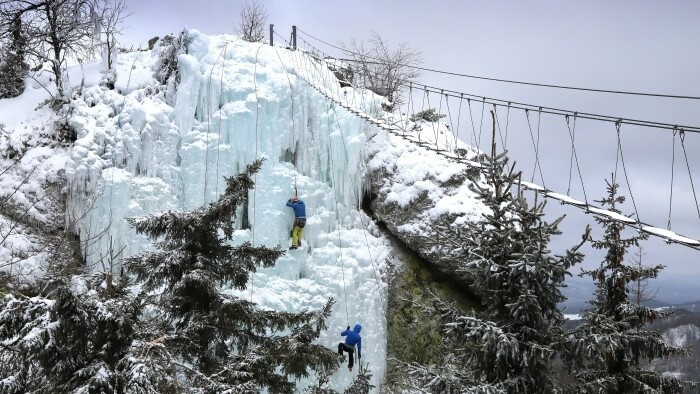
x: 296, y: 235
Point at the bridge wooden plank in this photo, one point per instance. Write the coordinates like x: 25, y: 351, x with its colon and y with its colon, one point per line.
x: 670, y: 235
x: 565, y: 199
x: 612, y: 215
x: 532, y: 186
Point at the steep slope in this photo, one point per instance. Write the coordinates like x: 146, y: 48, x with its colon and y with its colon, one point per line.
x: 147, y: 147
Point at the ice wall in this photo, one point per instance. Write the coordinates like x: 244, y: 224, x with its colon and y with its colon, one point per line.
x: 138, y: 154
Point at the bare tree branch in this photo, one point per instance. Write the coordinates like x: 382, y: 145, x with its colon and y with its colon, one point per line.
x: 382, y: 69
x: 252, y: 23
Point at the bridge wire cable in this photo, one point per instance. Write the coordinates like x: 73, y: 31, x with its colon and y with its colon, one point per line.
x: 451, y: 126
x: 571, y: 156
x: 507, y: 123
x: 562, y: 112
x: 534, y: 146
x: 537, y: 150
x: 574, y: 157
x: 690, y: 175
x: 413, y: 109
x: 472, y: 139
x: 425, y: 92
x: 435, y: 124
x: 627, y: 178
x: 498, y: 125
x: 403, y: 122
x: 673, y: 166
x: 617, y: 159
x: 583, y: 115
x: 481, y: 123
x: 459, y: 118
x: 379, y: 61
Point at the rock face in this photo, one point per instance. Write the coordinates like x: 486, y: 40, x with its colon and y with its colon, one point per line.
x: 424, y: 203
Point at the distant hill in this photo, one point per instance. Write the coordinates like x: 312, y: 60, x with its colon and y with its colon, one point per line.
x: 691, y: 306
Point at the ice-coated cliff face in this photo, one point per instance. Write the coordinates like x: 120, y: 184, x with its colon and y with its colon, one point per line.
x: 144, y: 148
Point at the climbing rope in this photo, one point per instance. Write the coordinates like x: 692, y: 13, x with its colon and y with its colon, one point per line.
x: 294, y: 141
x: 337, y: 219
x: 355, y: 188
x: 218, y: 139
x: 206, y: 155
x: 255, y: 176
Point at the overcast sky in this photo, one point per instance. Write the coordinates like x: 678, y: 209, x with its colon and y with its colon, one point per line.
x: 642, y: 46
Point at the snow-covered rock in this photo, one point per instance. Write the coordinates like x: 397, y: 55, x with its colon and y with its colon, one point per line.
x: 682, y: 336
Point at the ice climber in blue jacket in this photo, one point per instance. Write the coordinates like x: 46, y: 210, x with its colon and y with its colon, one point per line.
x: 299, y: 220
x: 352, y: 338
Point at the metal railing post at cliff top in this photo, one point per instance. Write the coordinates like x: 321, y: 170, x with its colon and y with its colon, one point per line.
x: 272, y: 32
x: 294, y: 38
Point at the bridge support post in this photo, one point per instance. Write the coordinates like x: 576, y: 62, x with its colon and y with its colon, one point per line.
x: 272, y: 32
x: 294, y: 38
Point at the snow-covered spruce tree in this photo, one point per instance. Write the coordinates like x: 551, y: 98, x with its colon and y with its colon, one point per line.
x: 13, y: 65
x: 361, y: 384
x: 605, y: 351
x: 70, y: 337
x: 218, y: 341
x: 511, y: 345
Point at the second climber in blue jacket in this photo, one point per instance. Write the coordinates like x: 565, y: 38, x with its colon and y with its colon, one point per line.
x: 352, y: 338
x: 299, y: 220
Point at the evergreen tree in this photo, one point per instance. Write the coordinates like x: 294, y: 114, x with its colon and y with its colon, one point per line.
x: 361, y: 384
x: 607, y: 349
x: 13, y: 65
x: 511, y: 346
x: 218, y: 340
x: 66, y: 338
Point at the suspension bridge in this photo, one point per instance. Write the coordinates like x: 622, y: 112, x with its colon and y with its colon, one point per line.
x: 474, y: 107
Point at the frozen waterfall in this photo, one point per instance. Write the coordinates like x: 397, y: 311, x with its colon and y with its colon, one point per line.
x: 144, y: 148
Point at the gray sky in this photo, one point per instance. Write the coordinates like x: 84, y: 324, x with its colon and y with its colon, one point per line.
x: 644, y: 46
